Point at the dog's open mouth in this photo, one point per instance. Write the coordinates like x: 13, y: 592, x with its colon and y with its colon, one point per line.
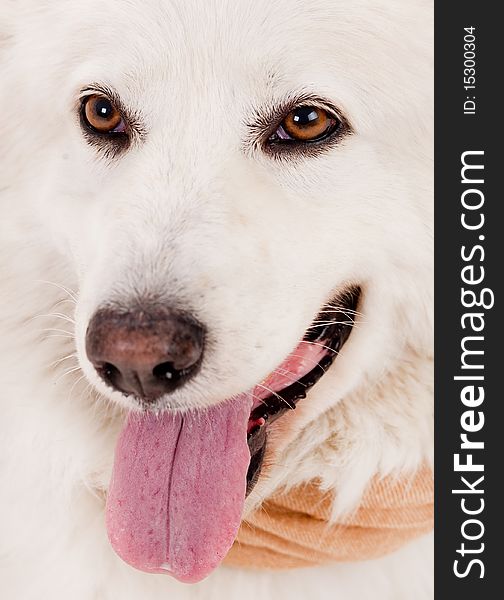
x: 179, y: 482
x: 291, y: 382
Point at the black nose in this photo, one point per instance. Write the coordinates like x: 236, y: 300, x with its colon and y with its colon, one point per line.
x: 144, y: 352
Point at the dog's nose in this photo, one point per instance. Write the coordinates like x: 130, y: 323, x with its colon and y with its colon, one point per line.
x: 144, y: 352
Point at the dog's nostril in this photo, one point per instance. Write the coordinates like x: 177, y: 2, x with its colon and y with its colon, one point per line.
x: 144, y: 352
x: 167, y: 371
x: 109, y: 372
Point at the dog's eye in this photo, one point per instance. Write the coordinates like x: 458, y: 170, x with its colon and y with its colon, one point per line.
x: 306, y: 124
x: 101, y: 115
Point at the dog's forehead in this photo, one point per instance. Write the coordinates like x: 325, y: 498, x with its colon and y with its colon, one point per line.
x: 187, y: 41
x: 216, y: 29
x: 177, y: 41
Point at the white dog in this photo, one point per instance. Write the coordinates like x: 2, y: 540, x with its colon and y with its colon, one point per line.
x: 201, y: 202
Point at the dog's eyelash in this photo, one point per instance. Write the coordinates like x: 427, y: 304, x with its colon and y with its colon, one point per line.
x: 110, y: 147
x: 267, y: 121
x: 114, y: 143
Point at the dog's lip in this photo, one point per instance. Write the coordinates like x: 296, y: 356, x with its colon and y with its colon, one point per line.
x: 328, y: 333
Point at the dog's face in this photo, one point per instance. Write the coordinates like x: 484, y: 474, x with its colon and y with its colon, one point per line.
x: 194, y: 200
x: 231, y: 167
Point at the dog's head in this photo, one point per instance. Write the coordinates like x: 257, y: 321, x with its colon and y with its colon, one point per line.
x: 232, y: 183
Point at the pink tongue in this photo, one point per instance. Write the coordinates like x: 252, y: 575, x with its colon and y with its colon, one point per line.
x: 178, y: 487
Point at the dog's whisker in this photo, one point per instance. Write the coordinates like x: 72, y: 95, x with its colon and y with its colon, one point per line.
x: 286, y: 373
x: 76, y: 382
x: 281, y: 371
x: 265, y: 387
x: 49, y: 329
x: 326, y: 323
x: 336, y: 304
x: 59, y: 335
x: 71, y: 293
x: 350, y: 319
x: 348, y: 312
x: 321, y: 345
x: 63, y: 300
x: 60, y: 360
x: 54, y: 315
x: 312, y: 360
x: 90, y: 392
x: 340, y: 308
x: 323, y: 324
x: 67, y: 372
x: 71, y: 370
x: 62, y: 316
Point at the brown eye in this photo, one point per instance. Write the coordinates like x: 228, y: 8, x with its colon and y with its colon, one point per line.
x: 100, y: 114
x: 306, y: 124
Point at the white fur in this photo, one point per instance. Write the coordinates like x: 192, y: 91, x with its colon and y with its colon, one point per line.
x: 253, y: 246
